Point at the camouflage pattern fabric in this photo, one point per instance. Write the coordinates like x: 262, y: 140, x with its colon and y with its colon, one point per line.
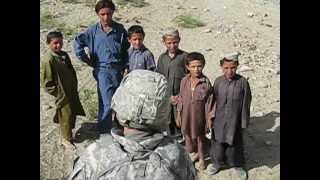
x: 115, y: 157
x: 141, y: 101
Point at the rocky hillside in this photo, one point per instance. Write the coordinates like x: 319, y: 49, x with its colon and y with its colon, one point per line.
x: 251, y: 27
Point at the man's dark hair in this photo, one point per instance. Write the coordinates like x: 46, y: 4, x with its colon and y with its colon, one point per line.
x: 135, y: 29
x: 195, y: 56
x: 227, y: 60
x: 53, y: 34
x: 104, y: 4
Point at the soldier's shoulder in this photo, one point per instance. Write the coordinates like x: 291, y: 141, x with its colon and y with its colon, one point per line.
x: 170, y: 148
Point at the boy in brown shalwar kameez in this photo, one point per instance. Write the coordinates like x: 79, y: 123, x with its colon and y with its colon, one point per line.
x: 58, y: 78
x: 195, y: 107
x: 233, y: 98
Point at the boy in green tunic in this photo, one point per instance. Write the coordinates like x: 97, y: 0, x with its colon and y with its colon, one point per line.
x: 58, y: 78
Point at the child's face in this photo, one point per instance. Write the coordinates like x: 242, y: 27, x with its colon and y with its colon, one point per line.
x: 229, y: 69
x: 195, y: 68
x: 172, y: 44
x: 136, y: 40
x: 105, y: 16
x: 56, y: 44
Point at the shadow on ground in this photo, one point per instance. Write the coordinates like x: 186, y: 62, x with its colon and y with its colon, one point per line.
x: 262, y: 141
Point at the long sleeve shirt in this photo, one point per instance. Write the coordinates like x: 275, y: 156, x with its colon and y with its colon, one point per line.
x: 233, y: 100
x: 104, y: 47
x: 196, y: 107
x: 141, y: 59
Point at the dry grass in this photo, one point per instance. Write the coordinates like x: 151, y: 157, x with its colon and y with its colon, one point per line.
x: 188, y: 21
x: 50, y: 22
x: 134, y: 3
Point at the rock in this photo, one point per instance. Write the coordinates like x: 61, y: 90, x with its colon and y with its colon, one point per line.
x: 207, y: 31
x: 206, y: 10
x: 117, y: 18
x: 208, y: 49
x: 259, y: 114
x: 268, y: 143
x: 266, y: 15
x: 194, y: 7
x: 179, y: 7
x: 43, y: 30
x: 268, y: 25
x: 275, y: 126
x: 252, y: 47
x: 245, y: 68
x: 49, y: 107
x: 250, y: 14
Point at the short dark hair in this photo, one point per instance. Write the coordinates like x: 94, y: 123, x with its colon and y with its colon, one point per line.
x: 227, y: 60
x: 195, y: 56
x: 53, y: 34
x: 104, y: 4
x: 135, y: 29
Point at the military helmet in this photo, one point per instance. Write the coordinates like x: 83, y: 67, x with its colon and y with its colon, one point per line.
x: 142, y: 101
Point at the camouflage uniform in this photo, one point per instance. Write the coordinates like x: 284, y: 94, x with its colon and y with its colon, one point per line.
x: 111, y: 157
x: 143, y: 153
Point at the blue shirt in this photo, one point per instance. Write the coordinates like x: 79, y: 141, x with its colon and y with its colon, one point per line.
x: 104, y: 47
x: 141, y: 59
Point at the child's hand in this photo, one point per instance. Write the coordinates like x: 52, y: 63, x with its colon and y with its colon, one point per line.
x: 209, y: 125
x: 178, y: 120
x: 174, y: 100
x: 125, y: 72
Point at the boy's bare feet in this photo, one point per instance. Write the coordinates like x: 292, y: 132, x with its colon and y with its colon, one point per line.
x: 202, y: 164
x: 194, y: 156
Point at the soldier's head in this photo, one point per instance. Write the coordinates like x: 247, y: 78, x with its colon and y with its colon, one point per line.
x: 229, y: 64
x: 142, y: 101
x: 105, y: 9
x: 55, y: 41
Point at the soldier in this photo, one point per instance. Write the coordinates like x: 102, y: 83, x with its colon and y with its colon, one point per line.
x: 140, y: 150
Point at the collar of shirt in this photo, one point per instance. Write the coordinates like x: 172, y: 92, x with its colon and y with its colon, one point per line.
x: 236, y: 77
x: 141, y: 49
x: 178, y: 52
x: 201, y: 79
x: 134, y: 146
x: 113, y: 27
x: 60, y: 55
